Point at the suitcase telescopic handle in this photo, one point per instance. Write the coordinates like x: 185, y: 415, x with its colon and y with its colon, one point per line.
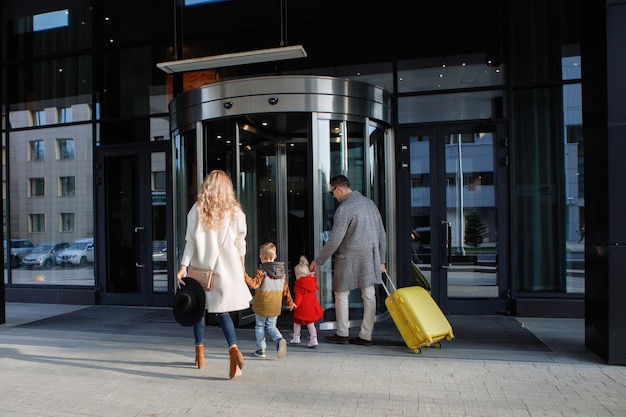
x: 390, y: 282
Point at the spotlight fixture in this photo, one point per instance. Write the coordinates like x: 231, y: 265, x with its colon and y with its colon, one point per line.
x: 229, y: 60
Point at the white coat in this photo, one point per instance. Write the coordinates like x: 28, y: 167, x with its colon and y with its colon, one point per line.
x: 202, y: 247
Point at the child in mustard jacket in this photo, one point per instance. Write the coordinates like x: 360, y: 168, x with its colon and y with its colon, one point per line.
x: 270, y: 285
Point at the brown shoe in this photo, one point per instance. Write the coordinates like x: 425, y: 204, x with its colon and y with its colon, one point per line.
x: 342, y: 340
x: 359, y: 341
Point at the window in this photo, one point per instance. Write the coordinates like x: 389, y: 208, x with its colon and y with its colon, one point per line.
x: 37, y: 223
x: 66, y: 115
x: 67, y: 186
x: 36, y: 187
x: 40, y: 118
x: 50, y: 20
x: 66, y: 222
x: 158, y: 180
x: 194, y: 2
x: 51, y: 200
x: 65, y: 148
x: 37, y: 150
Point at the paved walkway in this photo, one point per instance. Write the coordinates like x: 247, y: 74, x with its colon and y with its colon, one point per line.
x: 52, y: 364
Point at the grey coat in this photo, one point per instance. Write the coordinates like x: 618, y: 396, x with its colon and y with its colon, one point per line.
x: 358, y: 242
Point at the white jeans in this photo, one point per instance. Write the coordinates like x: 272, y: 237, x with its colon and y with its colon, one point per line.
x: 342, y: 309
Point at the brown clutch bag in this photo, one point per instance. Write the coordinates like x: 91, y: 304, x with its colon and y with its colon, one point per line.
x: 203, y: 276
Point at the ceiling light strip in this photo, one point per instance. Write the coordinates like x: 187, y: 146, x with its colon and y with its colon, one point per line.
x: 229, y: 60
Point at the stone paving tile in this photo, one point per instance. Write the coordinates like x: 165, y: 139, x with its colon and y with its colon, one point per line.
x: 66, y: 373
x: 148, y: 371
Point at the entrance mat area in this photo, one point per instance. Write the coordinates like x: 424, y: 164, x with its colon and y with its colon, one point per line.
x: 476, y: 332
x: 116, y: 320
x: 503, y: 331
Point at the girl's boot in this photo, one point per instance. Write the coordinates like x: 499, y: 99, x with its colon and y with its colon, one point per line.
x: 313, y: 342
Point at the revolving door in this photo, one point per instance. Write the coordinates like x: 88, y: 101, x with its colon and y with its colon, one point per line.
x: 281, y: 139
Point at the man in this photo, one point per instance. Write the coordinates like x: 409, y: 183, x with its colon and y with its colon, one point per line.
x: 359, y: 243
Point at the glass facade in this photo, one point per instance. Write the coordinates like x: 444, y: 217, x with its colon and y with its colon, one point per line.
x: 81, y: 79
x: 50, y: 188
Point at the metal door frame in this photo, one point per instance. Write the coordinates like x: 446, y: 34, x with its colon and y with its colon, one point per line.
x: 437, y: 160
x: 145, y: 297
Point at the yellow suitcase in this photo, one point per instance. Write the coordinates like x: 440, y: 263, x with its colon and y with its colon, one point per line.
x: 417, y: 316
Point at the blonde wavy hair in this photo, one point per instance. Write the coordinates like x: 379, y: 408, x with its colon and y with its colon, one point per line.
x: 302, y: 269
x: 216, y: 200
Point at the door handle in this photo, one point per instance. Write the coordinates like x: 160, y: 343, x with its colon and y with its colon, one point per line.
x: 447, y: 243
x: 139, y: 232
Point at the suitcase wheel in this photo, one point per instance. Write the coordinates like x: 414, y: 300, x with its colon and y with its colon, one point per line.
x: 449, y: 338
x: 437, y: 345
x: 417, y: 351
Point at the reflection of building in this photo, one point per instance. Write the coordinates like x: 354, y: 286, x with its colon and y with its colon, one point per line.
x: 478, y: 182
x: 476, y: 179
x: 51, y: 175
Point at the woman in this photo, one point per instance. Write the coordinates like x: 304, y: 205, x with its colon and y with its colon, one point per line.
x: 216, y: 240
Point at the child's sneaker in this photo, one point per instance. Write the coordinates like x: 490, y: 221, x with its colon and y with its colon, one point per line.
x: 295, y: 339
x: 259, y: 353
x: 313, y: 342
x: 281, y: 348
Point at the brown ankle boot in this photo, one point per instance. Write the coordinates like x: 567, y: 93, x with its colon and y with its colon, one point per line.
x: 236, y: 362
x: 200, y: 356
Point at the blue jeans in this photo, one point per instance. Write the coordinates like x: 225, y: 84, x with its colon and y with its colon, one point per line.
x: 265, y: 324
x: 226, y: 324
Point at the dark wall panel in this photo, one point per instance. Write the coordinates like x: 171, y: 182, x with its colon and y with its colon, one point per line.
x: 616, y: 306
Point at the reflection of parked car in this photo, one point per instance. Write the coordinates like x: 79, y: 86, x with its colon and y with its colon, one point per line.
x: 78, y: 253
x: 159, y: 255
x: 19, y: 249
x: 44, y: 255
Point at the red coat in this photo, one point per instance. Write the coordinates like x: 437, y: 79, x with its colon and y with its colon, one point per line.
x: 308, y: 309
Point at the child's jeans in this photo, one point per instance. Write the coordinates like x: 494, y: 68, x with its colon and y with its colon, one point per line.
x: 266, y: 324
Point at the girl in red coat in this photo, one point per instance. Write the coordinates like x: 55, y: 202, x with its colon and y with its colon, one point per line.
x: 308, y: 309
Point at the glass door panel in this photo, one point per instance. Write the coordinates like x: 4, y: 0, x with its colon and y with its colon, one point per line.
x: 419, y: 146
x: 274, y: 190
x: 158, y: 187
x: 134, y: 249
x: 327, y: 144
x: 455, y: 209
x: 341, y: 149
x: 298, y: 198
x: 125, y: 233
x: 267, y: 156
x: 471, y: 215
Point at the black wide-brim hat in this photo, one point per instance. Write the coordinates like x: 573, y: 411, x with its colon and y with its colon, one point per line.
x: 189, y: 302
